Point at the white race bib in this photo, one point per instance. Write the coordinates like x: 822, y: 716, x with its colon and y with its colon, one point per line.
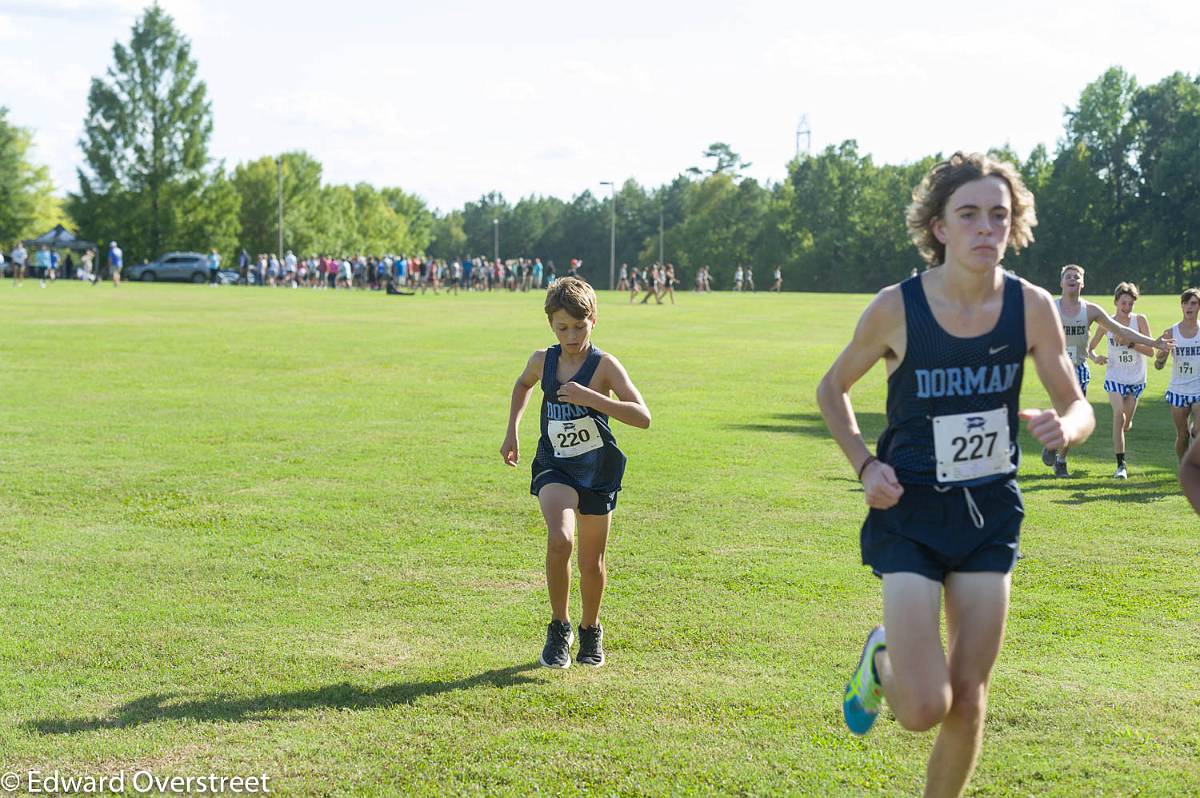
x: 971, y: 445
x: 1125, y: 356
x: 573, y: 438
x: 1072, y: 354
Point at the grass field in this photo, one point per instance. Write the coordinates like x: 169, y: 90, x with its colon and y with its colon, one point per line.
x: 250, y: 531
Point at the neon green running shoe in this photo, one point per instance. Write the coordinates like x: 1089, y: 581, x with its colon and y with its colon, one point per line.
x: 863, y: 696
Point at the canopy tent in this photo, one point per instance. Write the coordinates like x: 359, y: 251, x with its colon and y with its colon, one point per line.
x: 59, y: 238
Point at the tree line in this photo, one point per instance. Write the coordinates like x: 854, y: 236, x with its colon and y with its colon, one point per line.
x: 1119, y: 194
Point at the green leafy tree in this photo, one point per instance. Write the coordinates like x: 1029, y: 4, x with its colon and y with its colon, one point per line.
x: 414, y: 215
x: 208, y: 218
x: 1168, y: 117
x: 448, y: 240
x: 1073, y: 219
x: 145, y: 138
x: 337, y: 221
x: 478, y: 224
x: 380, y: 230
x: 582, y: 233
x: 637, y: 225
x: 723, y: 226
x: 526, y: 224
x: 28, y: 206
x: 1103, y: 122
x: 257, y: 184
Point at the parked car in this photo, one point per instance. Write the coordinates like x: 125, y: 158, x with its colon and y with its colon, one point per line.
x: 187, y: 267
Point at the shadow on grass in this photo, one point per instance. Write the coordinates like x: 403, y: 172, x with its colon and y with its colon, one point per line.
x: 1156, y: 481
x: 812, y: 425
x: 156, y: 706
x: 1080, y: 490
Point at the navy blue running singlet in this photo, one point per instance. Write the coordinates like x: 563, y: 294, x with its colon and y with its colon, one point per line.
x: 952, y: 402
x: 576, y: 440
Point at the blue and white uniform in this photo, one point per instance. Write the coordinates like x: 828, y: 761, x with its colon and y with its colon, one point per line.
x: 1184, y: 388
x: 1125, y: 373
x: 952, y: 439
x: 1075, y: 328
x: 576, y: 447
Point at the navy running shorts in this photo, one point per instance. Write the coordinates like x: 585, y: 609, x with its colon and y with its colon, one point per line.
x: 934, y: 533
x: 591, y: 502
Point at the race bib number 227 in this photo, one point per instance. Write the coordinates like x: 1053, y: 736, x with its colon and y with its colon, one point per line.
x: 971, y: 445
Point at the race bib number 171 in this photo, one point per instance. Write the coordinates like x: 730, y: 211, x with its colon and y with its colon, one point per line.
x: 971, y: 445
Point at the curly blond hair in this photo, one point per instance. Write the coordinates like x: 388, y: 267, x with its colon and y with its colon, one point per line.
x: 930, y: 197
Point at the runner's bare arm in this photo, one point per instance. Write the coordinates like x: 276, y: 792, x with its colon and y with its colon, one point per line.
x: 510, y: 450
x: 629, y: 407
x: 1091, y: 348
x: 1071, y: 421
x: 1143, y: 326
x: 1160, y: 357
x: 1098, y: 315
x: 878, y: 336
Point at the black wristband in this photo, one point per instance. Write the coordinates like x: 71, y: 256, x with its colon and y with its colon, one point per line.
x: 862, y: 468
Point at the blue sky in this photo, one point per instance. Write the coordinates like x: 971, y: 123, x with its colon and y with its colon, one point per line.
x: 453, y: 99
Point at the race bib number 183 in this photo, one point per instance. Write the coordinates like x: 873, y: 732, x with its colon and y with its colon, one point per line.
x: 971, y: 445
x: 573, y: 438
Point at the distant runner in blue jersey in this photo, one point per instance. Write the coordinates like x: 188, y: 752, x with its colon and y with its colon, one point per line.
x: 945, y: 511
x: 578, y: 468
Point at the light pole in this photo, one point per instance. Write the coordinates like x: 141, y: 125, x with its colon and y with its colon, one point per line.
x: 496, y: 239
x: 279, y: 172
x: 612, y: 236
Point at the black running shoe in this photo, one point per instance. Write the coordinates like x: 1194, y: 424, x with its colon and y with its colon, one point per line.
x: 591, y: 646
x: 1047, y: 456
x: 1060, y: 468
x: 557, y: 652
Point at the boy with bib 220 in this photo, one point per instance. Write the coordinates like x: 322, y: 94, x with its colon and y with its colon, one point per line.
x: 578, y: 468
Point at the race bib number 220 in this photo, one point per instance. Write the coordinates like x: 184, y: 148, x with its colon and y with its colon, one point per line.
x: 573, y: 438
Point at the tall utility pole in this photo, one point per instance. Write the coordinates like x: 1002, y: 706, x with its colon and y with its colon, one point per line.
x: 612, y: 236
x: 279, y: 172
x: 496, y: 239
x: 802, y: 129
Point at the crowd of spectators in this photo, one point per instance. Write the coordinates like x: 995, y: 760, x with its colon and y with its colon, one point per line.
x: 399, y: 273
x: 47, y: 265
x: 391, y: 273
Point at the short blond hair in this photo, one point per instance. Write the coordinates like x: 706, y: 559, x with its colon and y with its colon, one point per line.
x: 573, y: 295
x: 1074, y: 266
x: 930, y: 197
x: 1126, y: 288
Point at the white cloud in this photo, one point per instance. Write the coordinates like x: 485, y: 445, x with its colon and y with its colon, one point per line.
x: 74, y: 9
x: 11, y: 31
